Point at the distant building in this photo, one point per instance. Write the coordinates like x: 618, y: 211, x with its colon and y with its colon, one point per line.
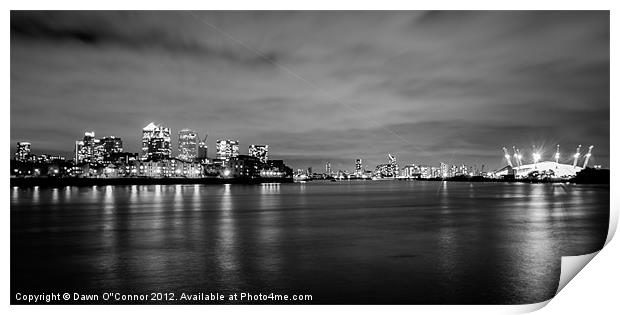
x: 227, y: 149
x: 155, y: 143
x: 202, y: 150
x: 358, y: 166
x: 78, y: 152
x: 188, y: 150
x: 85, y: 149
x: 260, y: 151
x: 120, y: 158
x: 244, y: 166
x: 98, y: 151
x: 386, y: 170
x: 275, y: 169
x: 48, y: 158
x: 167, y: 168
x: 112, y: 144
x: 443, y: 167
x: 23, y: 153
x: 411, y: 171
x: 328, y: 168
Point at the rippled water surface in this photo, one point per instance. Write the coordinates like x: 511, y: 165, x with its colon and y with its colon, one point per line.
x: 345, y: 242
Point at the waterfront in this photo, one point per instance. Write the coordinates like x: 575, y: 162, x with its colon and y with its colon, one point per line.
x: 343, y: 242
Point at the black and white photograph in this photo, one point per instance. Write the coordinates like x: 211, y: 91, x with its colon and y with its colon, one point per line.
x: 313, y: 157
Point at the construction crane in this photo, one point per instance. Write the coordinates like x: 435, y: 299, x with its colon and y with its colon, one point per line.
x: 507, y: 156
x: 577, y: 154
x: 557, y: 154
x: 585, y: 163
x: 391, y: 158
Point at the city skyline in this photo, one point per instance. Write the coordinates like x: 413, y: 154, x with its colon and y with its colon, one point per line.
x: 424, y: 86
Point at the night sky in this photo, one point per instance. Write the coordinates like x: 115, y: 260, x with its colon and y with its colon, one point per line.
x: 428, y: 87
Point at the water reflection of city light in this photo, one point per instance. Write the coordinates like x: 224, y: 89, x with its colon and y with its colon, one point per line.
x: 269, y: 228
x: 108, y: 200
x: 196, y: 198
x: 35, y: 194
x: 226, y: 252
x: 15, y: 195
x: 55, y: 195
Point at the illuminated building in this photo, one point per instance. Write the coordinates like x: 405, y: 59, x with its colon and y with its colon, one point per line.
x: 243, y: 166
x: 328, y: 168
x: 275, y: 169
x: 23, y: 152
x: 98, y: 151
x: 443, y: 168
x: 411, y: 171
x: 155, y: 142
x: 112, y: 144
x: 202, y: 150
x: 78, y: 152
x: 227, y: 149
x: 385, y: 170
x: 83, y: 151
x: 187, y: 145
x: 389, y: 169
x: 86, y: 148
x: 167, y: 168
x: 358, y: 166
x: 260, y: 151
x: 120, y: 158
x: 47, y: 158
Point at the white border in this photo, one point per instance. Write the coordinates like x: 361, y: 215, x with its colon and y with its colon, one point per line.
x: 595, y: 287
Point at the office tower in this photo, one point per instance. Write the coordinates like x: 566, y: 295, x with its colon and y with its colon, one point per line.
x: 202, y: 150
x: 358, y: 165
x: 78, y: 152
x: 187, y: 145
x: 328, y: 168
x: 260, y: 151
x: 155, y: 142
x: 84, y: 150
x: 23, y: 151
x: 98, y: 151
x: 112, y: 144
x: 227, y: 149
x: 89, y: 145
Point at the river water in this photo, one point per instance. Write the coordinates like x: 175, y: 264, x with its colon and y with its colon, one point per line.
x: 366, y: 242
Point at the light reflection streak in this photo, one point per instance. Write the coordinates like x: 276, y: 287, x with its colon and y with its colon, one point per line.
x: 55, y: 195
x: 226, y: 252
x: 270, y: 259
x: 35, y: 194
x: 108, y: 201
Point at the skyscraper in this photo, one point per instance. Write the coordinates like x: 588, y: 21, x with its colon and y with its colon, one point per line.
x: 84, y: 150
x: 155, y: 142
x: 328, y: 168
x: 202, y: 150
x: 358, y: 166
x: 227, y: 149
x: 23, y: 151
x: 112, y: 144
x: 187, y: 145
x: 78, y: 152
x: 260, y: 151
